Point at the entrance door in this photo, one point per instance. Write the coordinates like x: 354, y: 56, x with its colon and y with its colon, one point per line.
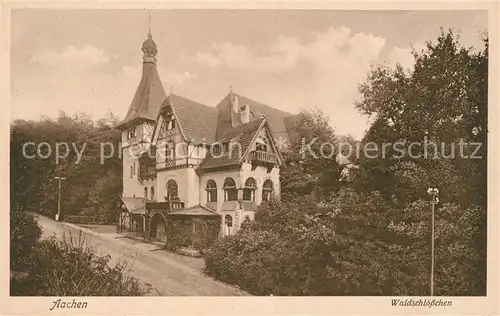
x: 158, y: 227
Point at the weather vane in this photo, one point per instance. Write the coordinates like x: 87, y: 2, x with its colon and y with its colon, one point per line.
x: 149, y: 13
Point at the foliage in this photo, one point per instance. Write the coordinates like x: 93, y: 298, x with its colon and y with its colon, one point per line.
x: 24, y: 233
x: 180, y: 232
x: 442, y: 101
x: 71, y: 268
x: 90, y: 188
x: 351, y: 244
x: 310, y: 163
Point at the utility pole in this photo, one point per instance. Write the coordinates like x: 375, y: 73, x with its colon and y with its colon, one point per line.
x: 58, y: 215
x: 433, y: 192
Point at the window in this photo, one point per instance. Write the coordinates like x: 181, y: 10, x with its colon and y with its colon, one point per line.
x: 170, y: 151
x: 146, y: 192
x: 131, y: 171
x: 230, y: 191
x: 267, y: 190
x: 131, y: 133
x: 133, y: 168
x: 211, y: 191
x: 249, y: 190
x: 261, y: 144
x: 152, y: 191
x: 228, y: 221
x: 170, y: 122
x: 216, y: 150
x: 172, y: 191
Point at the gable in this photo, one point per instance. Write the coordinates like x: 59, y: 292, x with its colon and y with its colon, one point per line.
x: 244, y: 135
x: 276, y: 118
x: 167, y: 126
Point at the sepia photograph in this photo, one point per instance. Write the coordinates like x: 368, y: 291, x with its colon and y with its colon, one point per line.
x: 248, y: 152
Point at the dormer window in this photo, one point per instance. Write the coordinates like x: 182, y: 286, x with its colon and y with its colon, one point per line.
x: 217, y: 149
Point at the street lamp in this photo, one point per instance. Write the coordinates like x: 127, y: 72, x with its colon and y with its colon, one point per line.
x: 58, y: 215
x: 433, y: 193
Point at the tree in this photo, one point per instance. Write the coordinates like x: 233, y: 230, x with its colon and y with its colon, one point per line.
x: 310, y: 164
x: 443, y: 101
x: 89, y: 183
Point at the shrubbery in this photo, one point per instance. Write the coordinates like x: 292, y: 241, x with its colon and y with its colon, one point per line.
x: 351, y: 245
x: 180, y: 233
x: 66, y: 267
x: 24, y: 233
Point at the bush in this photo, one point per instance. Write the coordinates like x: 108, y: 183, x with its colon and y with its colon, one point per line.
x: 69, y: 267
x: 180, y: 233
x: 24, y: 233
x: 352, y: 244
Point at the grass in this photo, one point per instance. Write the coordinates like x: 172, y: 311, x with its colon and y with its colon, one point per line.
x: 69, y: 266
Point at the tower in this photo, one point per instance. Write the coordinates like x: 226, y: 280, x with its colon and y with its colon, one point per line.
x: 138, y: 124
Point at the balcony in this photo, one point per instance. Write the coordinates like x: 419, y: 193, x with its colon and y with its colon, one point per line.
x: 147, y: 172
x: 262, y: 158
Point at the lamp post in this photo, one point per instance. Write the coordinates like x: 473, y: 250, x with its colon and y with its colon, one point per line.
x: 433, y: 193
x: 58, y: 215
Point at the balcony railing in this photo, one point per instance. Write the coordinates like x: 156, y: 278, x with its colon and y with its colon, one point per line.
x: 264, y: 157
x: 148, y: 171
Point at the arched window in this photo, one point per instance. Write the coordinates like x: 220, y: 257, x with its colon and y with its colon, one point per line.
x: 249, y: 190
x: 211, y: 191
x: 145, y: 192
x: 230, y: 191
x: 152, y: 192
x: 131, y: 171
x: 228, y: 221
x: 267, y: 190
x: 172, y: 191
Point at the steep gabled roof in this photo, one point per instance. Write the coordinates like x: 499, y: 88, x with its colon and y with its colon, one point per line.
x: 147, y: 99
x: 244, y: 134
x: 276, y: 118
x: 197, y: 121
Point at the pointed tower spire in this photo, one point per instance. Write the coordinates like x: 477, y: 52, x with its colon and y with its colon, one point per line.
x: 150, y: 94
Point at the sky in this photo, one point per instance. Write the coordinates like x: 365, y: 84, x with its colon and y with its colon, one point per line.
x: 90, y: 61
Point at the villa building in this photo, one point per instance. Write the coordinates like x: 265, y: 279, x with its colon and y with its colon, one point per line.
x: 185, y: 162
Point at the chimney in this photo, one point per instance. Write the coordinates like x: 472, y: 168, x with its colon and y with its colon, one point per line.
x: 245, y: 114
x: 236, y: 104
x: 235, y: 110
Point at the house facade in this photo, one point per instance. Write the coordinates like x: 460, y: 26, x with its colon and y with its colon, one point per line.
x: 189, y: 162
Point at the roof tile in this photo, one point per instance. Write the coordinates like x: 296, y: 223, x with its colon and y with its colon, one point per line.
x: 148, y: 97
x: 197, y: 121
